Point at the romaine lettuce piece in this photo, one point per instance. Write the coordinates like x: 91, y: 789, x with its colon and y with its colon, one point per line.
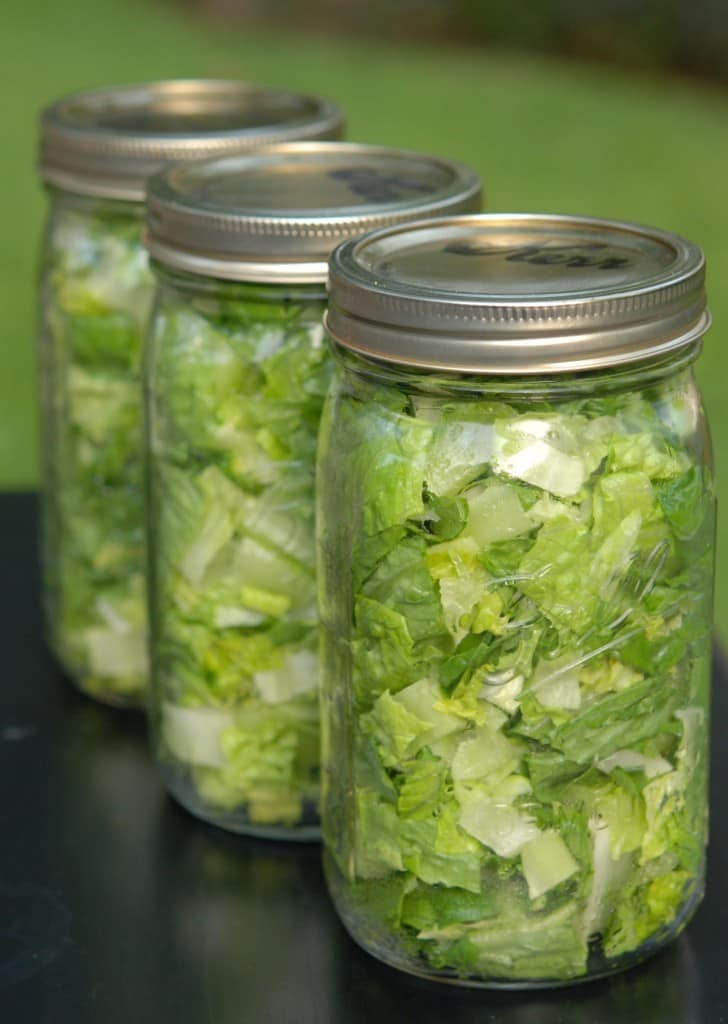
x: 193, y: 734
x: 430, y: 854
x: 298, y: 674
x: 495, y: 513
x: 500, y: 827
x: 546, y: 862
x: 553, y: 452
x: 519, y: 945
x: 378, y: 849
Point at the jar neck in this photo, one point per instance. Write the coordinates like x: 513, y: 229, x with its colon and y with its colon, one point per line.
x: 212, y: 287
x: 522, y: 388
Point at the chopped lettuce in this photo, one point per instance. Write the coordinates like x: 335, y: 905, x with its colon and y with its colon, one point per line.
x: 501, y: 828
x: 235, y: 394
x: 517, y: 630
x: 546, y: 862
x: 97, y: 290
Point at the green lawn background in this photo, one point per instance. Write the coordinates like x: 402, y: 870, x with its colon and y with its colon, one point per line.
x: 545, y: 135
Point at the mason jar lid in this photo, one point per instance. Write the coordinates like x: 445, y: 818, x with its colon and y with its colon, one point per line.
x: 277, y: 214
x: 107, y: 142
x: 517, y: 294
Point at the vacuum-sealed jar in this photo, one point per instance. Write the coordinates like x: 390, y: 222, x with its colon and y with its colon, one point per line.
x: 97, y: 149
x: 236, y: 377
x: 516, y: 554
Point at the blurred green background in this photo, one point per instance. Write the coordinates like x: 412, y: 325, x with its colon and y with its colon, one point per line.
x: 554, y: 133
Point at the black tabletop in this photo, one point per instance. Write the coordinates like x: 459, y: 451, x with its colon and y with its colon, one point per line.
x: 117, y: 906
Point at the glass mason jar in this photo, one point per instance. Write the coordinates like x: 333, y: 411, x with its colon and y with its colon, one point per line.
x: 516, y: 554
x: 97, y: 150
x: 96, y: 291
x: 236, y: 376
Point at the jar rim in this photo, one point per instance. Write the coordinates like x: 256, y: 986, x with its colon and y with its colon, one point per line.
x: 276, y: 214
x: 107, y: 142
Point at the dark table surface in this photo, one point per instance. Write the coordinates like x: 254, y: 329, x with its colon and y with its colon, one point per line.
x: 117, y: 906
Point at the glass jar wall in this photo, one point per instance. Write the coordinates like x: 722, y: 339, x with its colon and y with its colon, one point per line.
x: 515, y: 576
x: 236, y: 377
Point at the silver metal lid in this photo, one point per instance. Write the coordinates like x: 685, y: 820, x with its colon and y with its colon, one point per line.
x: 277, y: 214
x: 107, y: 142
x: 517, y: 294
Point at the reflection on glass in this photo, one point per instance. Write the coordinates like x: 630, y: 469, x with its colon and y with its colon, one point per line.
x: 248, y: 922
x: 667, y: 990
x: 110, y: 808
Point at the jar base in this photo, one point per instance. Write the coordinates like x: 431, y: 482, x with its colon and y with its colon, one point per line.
x: 600, y: 967
x: 182, y: 789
